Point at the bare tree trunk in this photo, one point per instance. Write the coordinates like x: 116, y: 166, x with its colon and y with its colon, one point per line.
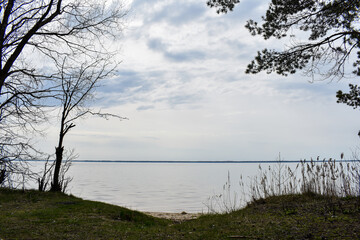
x: 55, y: 185
x: 59, y: 150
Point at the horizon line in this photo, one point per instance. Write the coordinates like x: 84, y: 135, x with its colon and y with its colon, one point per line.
x: 197, y: 161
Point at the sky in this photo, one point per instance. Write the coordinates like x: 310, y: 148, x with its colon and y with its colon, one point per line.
x: 182, y: 85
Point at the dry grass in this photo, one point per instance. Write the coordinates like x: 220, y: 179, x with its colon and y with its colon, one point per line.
x: 322, y: 177
x: 329, y: 178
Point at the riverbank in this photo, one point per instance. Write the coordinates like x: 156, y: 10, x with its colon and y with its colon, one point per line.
x: 39, y: 215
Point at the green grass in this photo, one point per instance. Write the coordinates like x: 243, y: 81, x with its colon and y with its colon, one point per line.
x: 47, y: 215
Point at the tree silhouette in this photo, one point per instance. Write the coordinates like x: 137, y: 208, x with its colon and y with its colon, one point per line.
x: 333, y: 38
x: 34, y: 36
x: 76, y: 90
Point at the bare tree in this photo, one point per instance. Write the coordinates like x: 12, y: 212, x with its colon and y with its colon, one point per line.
x: 53, y: 28
x: 76, y: 91
x: 22, y: 108
x: 31, y: 33
x: 44, y: 177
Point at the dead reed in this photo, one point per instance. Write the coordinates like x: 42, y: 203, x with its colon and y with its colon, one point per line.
x: 321, y: 177
x: 324, y: 177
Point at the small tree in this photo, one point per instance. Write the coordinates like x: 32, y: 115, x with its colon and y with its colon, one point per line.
x: 77, y: 86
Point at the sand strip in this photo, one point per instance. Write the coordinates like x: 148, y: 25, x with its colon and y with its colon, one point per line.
x: 175, y: 216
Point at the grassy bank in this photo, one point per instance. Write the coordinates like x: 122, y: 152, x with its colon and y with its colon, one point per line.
x: 39, y: 215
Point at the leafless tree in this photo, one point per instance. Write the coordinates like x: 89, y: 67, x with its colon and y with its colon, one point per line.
x: 21, y: 109
x: 54, y: 28
x: 32, y: 32
x: 77, y: 86
x: 44, y: 177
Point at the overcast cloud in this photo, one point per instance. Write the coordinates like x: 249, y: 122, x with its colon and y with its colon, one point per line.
x: 183, y: 87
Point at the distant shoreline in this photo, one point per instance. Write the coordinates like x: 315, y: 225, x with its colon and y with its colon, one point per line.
x: 143, y: 161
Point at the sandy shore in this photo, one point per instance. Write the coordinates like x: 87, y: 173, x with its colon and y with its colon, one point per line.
x: 175, y: 216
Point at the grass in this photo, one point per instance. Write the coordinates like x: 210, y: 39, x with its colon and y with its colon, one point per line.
x: 47, y: 215
x: 316, y: 200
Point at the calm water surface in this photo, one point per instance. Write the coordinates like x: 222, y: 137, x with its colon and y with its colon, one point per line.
x: 159, y: 187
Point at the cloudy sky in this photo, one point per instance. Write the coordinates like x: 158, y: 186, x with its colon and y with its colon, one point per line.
x: 182, y: 85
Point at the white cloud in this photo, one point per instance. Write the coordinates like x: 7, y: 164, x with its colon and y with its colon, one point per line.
x: 183, y: 87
